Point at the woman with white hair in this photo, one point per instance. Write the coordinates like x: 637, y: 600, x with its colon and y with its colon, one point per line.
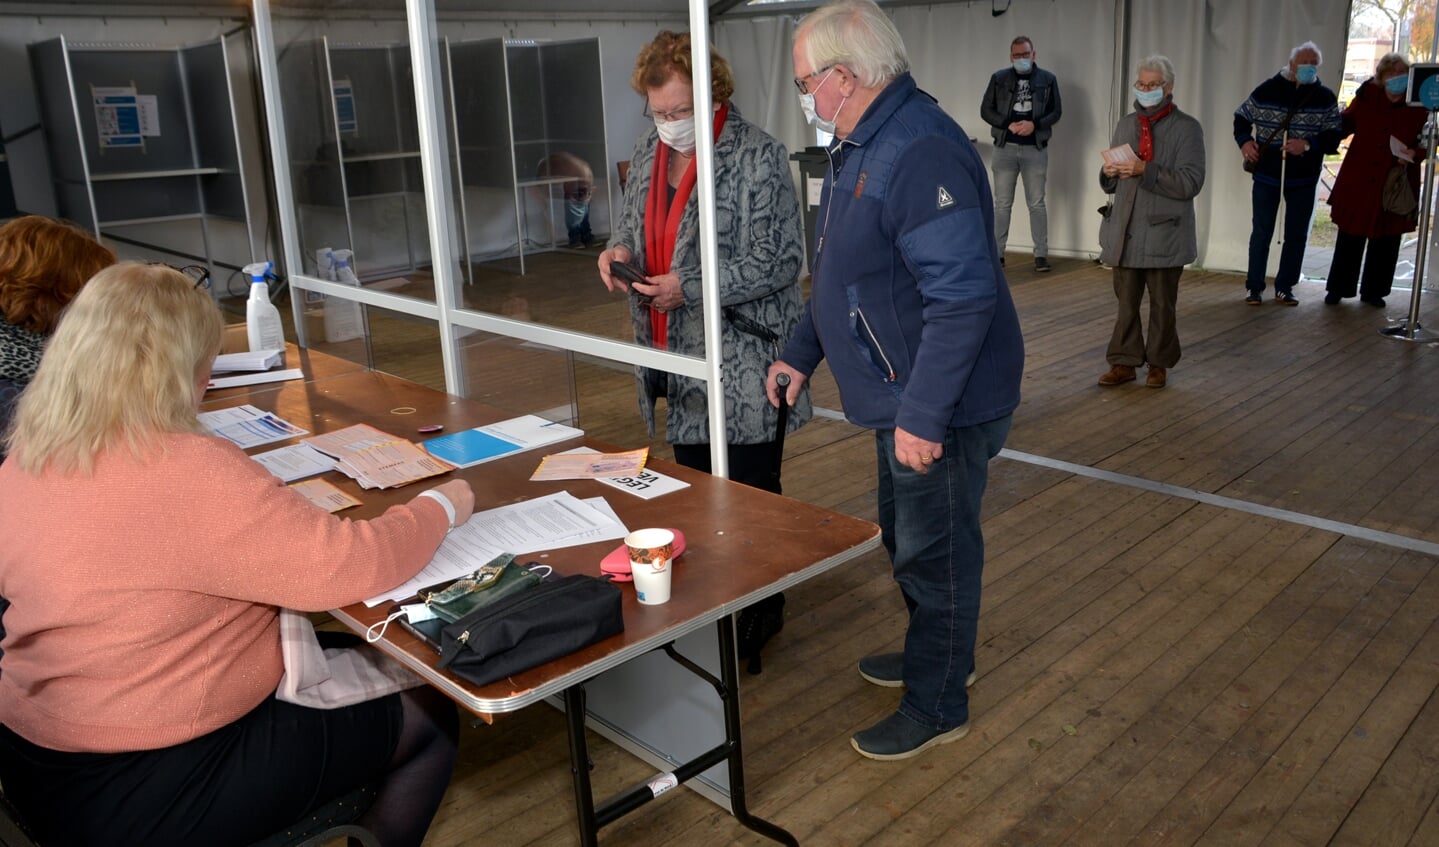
x: 1148, y: 232
x: 1368, y: 231
x: 145, y: 562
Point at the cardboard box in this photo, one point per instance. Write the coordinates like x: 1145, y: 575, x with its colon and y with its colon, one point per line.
x: 236, y: 340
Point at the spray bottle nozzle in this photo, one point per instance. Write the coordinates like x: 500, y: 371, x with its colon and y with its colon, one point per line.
x: 258, y: 271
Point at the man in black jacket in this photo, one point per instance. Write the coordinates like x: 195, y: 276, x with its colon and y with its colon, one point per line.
x: 1021, y: 106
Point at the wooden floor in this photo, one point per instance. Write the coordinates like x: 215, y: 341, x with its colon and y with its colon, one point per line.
x: 1158, y: 663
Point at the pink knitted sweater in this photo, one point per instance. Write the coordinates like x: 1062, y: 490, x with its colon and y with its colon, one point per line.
x: 144, y: 598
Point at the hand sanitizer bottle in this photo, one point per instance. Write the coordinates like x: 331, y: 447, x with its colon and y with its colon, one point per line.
x: 262, y: 319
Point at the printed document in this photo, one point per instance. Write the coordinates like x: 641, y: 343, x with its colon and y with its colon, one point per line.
x: 544, y: 523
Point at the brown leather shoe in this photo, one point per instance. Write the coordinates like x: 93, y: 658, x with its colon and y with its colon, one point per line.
x: 1118, y: 375
x: 1157, y: 377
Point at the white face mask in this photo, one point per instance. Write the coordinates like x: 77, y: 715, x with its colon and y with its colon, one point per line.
x: 679, y: 135
x: 806, y: 102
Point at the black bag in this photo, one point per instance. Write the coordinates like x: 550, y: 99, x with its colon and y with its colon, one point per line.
x: 525, y: 630
x: 1398, y: 195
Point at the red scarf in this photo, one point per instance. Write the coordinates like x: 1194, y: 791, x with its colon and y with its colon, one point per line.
x: 1146, y: 130
x: 662, y: 222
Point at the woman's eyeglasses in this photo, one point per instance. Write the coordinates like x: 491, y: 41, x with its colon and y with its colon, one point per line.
x: 199, y: 273
x: 683, y: 113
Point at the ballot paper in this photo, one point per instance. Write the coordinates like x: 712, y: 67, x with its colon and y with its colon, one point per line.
x: 646, y: 485
x: 295, y: 462
x: 377, y: 459
x: 544, y: 523
x: 325, y: 495
x: 573, y: 464
x: 248, y: 426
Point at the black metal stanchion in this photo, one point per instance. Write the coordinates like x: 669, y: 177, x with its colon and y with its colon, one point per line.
x: 1409, y: 329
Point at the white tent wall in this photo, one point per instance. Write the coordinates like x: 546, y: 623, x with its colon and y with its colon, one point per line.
x: 1221, y: 49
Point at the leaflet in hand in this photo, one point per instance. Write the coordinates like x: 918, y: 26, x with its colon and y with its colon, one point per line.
x: 483, y: 443
x: 1117, y: 155
x: 1399, y: 149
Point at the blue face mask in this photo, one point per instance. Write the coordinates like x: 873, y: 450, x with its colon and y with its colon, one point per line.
x: 575, y: 213
x: 1396, y: 84
x: 1306, y: 74
x: 1149, y: 99
x: 1023, y: 66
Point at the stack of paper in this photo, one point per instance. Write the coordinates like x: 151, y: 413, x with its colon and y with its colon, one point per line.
x: 545, y: 523
x: 377, y: 459
x: 483, y: 443
x: 253, y: 360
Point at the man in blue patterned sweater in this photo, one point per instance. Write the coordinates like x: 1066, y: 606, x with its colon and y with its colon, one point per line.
x: 1284, y: 130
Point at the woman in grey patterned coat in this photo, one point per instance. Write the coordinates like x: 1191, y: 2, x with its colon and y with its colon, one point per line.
x: 760, y: 256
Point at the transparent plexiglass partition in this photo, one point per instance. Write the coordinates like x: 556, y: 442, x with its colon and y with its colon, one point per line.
x: 476, y: 164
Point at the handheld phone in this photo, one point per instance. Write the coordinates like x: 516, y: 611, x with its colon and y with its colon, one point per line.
x: 631, y: 274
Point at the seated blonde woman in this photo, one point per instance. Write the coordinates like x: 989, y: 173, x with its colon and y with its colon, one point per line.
x: 145, y: 562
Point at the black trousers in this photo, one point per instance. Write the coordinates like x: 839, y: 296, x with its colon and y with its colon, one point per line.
x: 754, y: 465
x: 1349, y: 252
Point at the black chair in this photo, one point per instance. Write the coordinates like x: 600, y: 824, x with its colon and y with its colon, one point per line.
x: 335, y: 819
x: 329, y: 822
x: 12, y: 831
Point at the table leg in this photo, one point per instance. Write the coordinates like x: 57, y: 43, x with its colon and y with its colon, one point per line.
x: 580, y: 765
x: 729, y: 751
x: 729, y: 675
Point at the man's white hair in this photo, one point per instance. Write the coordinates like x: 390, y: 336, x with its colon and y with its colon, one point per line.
x: 1159, y: 64
x: 856, y: 34
x: 1305, y: 47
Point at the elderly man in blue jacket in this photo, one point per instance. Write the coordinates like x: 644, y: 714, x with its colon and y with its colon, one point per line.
x: 911, y: 309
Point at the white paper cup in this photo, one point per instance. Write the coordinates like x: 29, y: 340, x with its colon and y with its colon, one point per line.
x: 651, y: 561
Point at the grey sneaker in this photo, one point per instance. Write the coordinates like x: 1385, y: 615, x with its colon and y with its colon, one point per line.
x: 887, y: 670
x: 898, y: 737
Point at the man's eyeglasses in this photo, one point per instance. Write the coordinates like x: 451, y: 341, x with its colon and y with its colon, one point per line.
x: 1149, y: 86
x: 683, y: 113
x: 802, y: 82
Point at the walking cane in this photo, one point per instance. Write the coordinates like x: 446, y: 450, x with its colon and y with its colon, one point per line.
x: 781, y: 380
x: 1283, y: 169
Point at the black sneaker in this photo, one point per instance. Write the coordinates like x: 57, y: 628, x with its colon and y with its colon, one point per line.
x: 887, y: 670
x: 1041, y: 264
x: 1254, y: 299
x: 1376, y: 302
x: 1331, y: 299
x: 1285, y: 299
x: 898, y: 737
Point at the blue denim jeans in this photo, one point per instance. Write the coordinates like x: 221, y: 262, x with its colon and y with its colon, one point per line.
x: 1009, y: 163
x: 930, y: 526
x: 1298, y: 208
